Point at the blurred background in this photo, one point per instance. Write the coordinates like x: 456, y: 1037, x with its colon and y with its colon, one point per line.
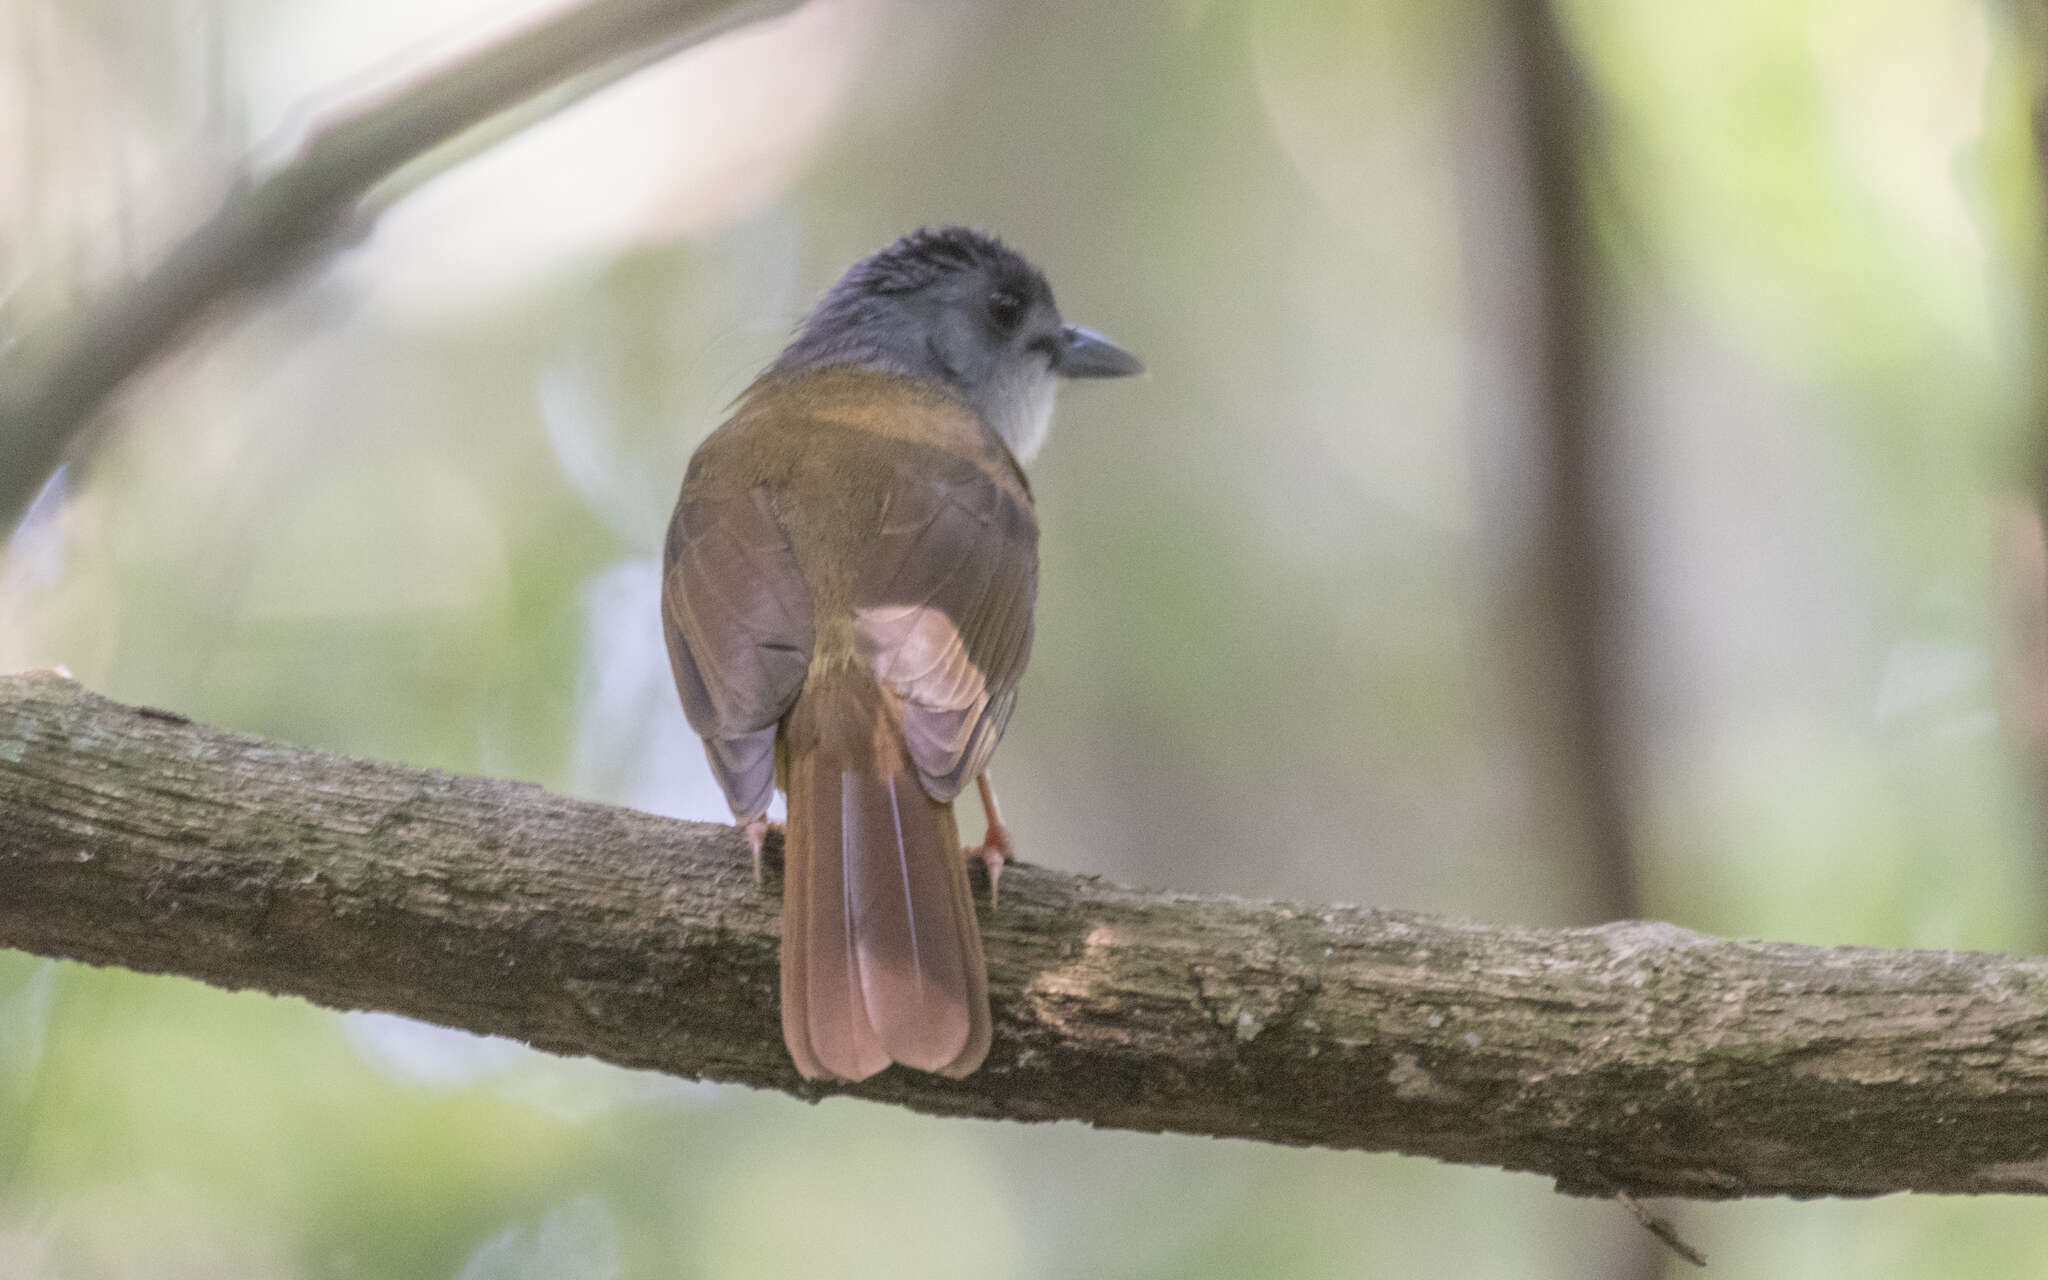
x: 1586, y: 470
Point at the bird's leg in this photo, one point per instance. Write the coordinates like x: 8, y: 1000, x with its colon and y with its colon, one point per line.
x: 995, y: 848
x: 757, y: 831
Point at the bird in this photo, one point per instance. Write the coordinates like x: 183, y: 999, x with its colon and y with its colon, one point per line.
x: 848, y: 586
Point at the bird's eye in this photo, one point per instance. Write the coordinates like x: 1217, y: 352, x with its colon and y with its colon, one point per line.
x: 1005, y: 308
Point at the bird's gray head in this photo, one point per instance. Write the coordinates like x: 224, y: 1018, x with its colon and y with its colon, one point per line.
x: 965, y: 310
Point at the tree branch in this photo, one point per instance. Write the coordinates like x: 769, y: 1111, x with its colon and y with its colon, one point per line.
x: 272, y: 225
x: 1637, y: 1058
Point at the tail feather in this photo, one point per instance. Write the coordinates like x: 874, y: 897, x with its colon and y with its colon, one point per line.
x: 822, y: 1001
x: 920, y: 972
x: 881, y: 956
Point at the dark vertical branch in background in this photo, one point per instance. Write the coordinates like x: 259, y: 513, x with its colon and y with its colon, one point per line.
x: 1576, y: 562
x: 1576, y: 565
x: 2022, y: 551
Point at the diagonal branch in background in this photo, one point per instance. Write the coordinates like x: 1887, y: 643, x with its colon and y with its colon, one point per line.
x: 277, y: 223
x: 1638, y: 1058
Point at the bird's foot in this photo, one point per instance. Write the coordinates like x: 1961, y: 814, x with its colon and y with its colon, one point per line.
x: 995, y: 850
x: 757, y: 836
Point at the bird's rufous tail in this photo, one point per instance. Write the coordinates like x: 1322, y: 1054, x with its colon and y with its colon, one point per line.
x: 881, y: 956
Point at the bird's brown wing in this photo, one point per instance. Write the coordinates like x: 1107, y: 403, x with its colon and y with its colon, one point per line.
x: 739, y: 628
x: 943, y: 613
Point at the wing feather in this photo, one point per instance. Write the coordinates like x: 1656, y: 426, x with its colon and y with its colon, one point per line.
x: 738, y: 622
x: 944, y: 613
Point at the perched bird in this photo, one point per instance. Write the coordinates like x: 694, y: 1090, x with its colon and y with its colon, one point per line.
x: 847, y: 594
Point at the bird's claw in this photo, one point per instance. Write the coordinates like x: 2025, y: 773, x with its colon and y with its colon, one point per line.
x: 995, y: 850
x: 757, y: 836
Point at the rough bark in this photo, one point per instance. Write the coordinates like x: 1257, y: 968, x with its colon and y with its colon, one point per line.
x: 1635, y: 1057
x: 276, y: 222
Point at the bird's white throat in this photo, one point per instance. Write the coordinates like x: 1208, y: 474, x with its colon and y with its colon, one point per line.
x: 1019, y: 407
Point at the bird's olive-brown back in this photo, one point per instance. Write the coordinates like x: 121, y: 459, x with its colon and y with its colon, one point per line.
x: 908, y: 546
